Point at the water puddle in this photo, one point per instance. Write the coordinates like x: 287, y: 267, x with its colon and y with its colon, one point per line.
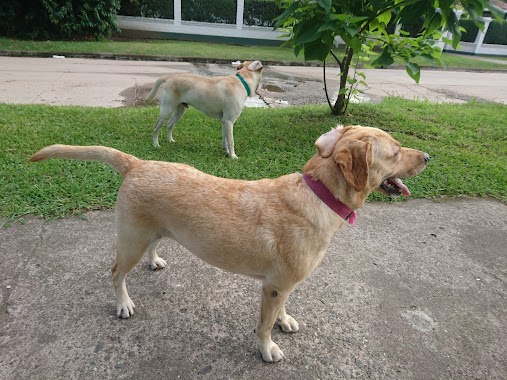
x: 272, y: 88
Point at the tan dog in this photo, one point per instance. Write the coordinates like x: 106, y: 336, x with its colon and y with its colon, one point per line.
x: 219, y: 97
x: 275, y: 230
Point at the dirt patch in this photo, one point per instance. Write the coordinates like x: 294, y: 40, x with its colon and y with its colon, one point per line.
x: 276, y: 89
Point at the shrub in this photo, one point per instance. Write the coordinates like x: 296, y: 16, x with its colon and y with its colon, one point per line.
x: 217, y: 11
x: 497, y: 33
x: 148, y: 8
x: 256, y: 12
x: 471, y: 30
x: 58, y: 19
x: 260, y: 12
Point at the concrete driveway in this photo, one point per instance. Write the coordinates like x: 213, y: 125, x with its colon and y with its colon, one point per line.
x: 416, y: 290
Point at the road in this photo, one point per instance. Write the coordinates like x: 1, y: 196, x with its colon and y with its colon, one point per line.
x: 115, y: 83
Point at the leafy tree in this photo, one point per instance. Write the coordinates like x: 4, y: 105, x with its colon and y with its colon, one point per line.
x: 365, y: 25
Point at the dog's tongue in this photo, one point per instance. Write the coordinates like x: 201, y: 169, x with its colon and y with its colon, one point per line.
x: 404, y: 190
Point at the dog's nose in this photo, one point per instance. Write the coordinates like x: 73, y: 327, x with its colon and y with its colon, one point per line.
x: 426, y: 158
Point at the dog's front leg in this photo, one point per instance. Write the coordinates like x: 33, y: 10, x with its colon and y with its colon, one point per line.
x: 228, y: 138
x: 272, y: 300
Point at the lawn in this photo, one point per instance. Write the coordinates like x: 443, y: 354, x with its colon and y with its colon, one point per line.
x: 174, y: 49
x: 468, y: 145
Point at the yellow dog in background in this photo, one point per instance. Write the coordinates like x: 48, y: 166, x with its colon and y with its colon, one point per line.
x: 221, y: 97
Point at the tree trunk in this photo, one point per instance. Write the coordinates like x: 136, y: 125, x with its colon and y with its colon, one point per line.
x: 340, y: 107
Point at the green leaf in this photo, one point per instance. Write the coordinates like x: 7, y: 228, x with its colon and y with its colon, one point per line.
x: 328, y: 25
x: 355, y: 20
x: 282, y: 18
x: 413, y: 70
x: 342, y: 17
x: 351, y: 29
x: 429, y: 58
x: 435, y: 22
x: 297, y: 49
x: 310, y: 32
x: 385, y: 59
x: 316, y: 50
x: 325, y: 4
x: 453, y: 27
x: 384, y: 17
x: 356, y: 44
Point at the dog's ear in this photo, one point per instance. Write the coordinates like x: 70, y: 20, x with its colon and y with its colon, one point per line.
x: 325, y: 143
x: 240, y: 66
x: 255, y: 66
x: 354, y: 160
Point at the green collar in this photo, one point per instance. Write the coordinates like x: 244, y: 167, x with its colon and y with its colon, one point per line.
x: 248, y: 92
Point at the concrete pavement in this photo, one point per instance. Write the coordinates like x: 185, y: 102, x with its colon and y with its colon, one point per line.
x: 416, y: 290
x: 114, y: 83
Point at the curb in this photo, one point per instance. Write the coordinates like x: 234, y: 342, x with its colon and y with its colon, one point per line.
x: 135, y: 57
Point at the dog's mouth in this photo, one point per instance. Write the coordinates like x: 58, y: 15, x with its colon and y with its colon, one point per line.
x: 393, y: 187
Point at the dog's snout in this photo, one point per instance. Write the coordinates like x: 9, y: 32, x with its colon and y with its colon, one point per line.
x: 426, y: 158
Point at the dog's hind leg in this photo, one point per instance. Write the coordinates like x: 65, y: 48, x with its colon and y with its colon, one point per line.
x: 272, y: 300
x: 286, y: 322
x: 180, y: 110
x: 155, y: 261
x: 156, y: 128
x: 131, y: 246
x: 166, y: 110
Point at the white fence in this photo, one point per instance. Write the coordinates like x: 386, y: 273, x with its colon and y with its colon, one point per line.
x: 192, y: 29
x: 163, y: 28
x: 478, y: 46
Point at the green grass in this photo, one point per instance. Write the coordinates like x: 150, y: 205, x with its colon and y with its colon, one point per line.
x: 468, y: 145
x: 196, y: 50
x: 167, y: 48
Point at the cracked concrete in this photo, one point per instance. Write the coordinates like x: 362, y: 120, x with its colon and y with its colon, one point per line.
x: 416, y: 290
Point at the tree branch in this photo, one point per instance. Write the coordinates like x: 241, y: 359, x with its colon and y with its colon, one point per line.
x: 325, y: 88
x: 335, y: 57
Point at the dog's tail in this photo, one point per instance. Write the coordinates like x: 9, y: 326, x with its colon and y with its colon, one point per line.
x: 121, y: 162
x: 155, y: 88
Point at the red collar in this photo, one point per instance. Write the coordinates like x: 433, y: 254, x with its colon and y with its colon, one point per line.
x: 328, y: 198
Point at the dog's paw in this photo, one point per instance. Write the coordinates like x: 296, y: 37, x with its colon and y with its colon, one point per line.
x: 233, y: 156
x: 271, y: 353
x: 158, y: 263
x: 288, y: 324
x: 125, y: 310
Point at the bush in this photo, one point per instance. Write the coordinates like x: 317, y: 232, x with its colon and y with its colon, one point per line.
x: 260, y: 12
x: 471, y: 30
x: 497, y: 33
x: 217, y: 11
x: 148, y: 8
x: 58, y: 19
x: 257, y: 12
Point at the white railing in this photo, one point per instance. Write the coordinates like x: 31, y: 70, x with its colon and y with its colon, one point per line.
x: 177, y: 26
x: 478, y: 46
